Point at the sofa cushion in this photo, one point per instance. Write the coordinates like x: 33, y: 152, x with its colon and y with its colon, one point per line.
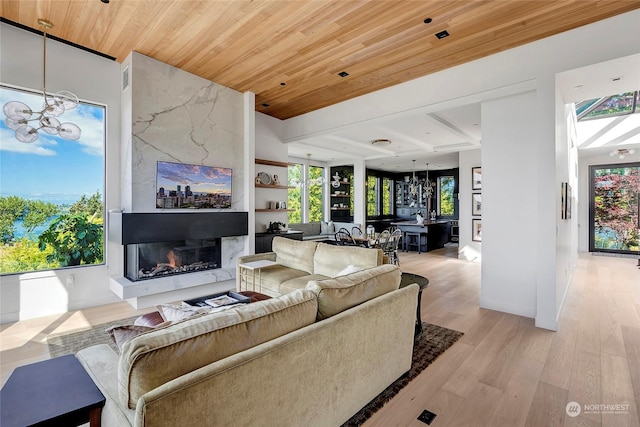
x: 343, y: 292
x: 299, y: 282
x: 273, y: 277
x: 123, y: 333
x: 294, y: 253
x: 153, y: 358
x: 329, y: 260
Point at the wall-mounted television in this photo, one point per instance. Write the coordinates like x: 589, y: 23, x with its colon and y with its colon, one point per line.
x: 185, y: 186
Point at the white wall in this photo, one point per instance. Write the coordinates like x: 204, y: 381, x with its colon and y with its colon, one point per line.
x: 269, y: 146
x: 93, y: 79
x: 509, y: 204
x: 467, y: 248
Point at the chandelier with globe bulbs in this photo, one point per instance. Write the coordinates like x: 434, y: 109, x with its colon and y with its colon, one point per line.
x: 28, y: 123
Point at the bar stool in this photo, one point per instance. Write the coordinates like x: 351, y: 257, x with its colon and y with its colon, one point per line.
x: 414, y: 239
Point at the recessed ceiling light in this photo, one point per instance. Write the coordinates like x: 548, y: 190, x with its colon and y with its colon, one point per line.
x: 576, y: 87
x: 616, y: 79
x: 343, y: 74
x: 380, y: 142
x: 442, y: 34
x: 428, y: 20
x: 265, y: 105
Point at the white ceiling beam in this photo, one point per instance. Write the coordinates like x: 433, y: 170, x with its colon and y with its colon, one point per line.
x: 449, y: 127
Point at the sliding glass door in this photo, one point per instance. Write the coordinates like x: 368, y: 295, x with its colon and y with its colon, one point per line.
x: 614, y: 206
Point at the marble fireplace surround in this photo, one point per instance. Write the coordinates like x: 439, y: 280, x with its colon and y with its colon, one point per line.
x: 168, y: 114
x: 132, y: 228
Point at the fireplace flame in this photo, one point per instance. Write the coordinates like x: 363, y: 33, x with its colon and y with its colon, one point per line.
x: 172, y: 258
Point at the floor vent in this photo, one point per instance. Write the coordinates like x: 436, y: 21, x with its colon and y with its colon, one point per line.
x: 427, y: 417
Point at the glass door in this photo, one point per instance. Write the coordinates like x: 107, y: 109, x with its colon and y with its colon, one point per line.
x: 614, y: 206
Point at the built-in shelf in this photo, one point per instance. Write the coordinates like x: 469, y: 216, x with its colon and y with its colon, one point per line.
x: 343, y: 182
x: 279, y: 187
x: 340, y: 209
x: 340, y: 195
x: 273, y: 163
x: 274, y: 210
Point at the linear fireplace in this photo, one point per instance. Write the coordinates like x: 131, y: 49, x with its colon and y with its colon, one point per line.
x: 153, y: 260
x: 166, y: 244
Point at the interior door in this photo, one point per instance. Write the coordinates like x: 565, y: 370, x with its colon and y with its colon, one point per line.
x: 614, y: 208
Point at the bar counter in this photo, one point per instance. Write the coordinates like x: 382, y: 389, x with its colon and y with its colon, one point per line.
x: 437, y: 231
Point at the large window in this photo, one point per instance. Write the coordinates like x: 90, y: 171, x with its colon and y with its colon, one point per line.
x: 51, y: 192
x: 306, y: 193
x: 379, y: 196
x: 387, y: 197
x: 614, y: 208
x: 316, y: 206
x: 294, y: 199
x: 446, y: 185
x: 372, y: 196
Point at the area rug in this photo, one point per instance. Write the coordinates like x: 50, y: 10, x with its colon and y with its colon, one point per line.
x: 72, y: 342
x: 431, y: 344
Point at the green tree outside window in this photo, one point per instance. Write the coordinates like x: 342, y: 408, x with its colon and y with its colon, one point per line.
x: 315, y: 194
x: 372, y: 196
x: 446, y: 185
x: 294, y: 196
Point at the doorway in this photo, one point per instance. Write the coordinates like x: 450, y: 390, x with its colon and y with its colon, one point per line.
x: 614, y: 207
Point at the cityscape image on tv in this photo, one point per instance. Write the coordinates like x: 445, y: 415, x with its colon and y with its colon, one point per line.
x: 184, y: 186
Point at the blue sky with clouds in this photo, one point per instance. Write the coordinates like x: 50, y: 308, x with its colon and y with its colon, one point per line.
x: 51, y: 168
x: 201, y: 179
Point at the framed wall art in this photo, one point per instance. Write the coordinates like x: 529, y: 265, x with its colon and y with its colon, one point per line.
x: 476, y: 204
x: 565, y: 201
x: 476, y: 178
x: 476, y: 230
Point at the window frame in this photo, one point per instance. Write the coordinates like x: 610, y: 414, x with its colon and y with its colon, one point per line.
x: 103, y: 181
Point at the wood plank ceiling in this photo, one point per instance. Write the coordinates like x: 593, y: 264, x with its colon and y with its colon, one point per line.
x: 289, y: 53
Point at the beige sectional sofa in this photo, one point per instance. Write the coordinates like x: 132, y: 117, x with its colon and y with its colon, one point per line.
x: 312, y: 357
x: 302, y: 261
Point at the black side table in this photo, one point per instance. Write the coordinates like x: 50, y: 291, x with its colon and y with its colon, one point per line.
x: 407, y: 279
x: 54, y: 392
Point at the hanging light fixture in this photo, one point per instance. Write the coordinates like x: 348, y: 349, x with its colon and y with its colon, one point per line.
x: 20, y: 114
x: 621, y: 152
x: 428, y: 190
x: 308, y: 182
x: 414, y: 187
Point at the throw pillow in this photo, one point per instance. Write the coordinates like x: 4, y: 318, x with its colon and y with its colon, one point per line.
x: 175, y: 313
x: 348, y: 270
x: 123, y: 333
x: 327, y: 227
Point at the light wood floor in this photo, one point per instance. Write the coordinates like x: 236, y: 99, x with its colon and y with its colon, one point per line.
x: 503, y: 372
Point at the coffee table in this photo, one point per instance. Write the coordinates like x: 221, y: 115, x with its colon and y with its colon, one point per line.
x: 54, y: 392
x: 407, y: 279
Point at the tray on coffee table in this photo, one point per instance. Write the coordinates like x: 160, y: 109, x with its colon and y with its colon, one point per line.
x: 230, y: 297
